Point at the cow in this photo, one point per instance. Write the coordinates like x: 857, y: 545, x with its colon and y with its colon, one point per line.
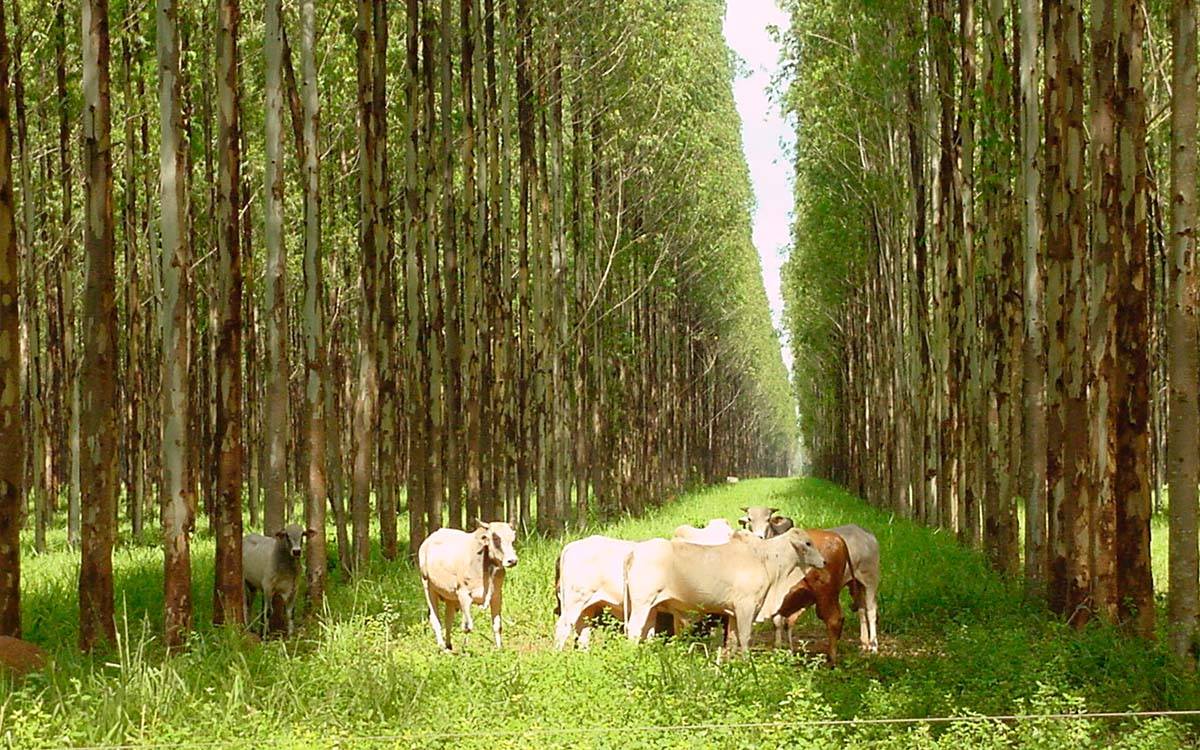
x: 718, y: 531
x: 764, y: 522
x: 864, y: 557
x: 462, y: 568
x: 271, y: 564
x: 821, y: 587
x: 863, y: 550
x: 743, y: 579
x: 590, y: 576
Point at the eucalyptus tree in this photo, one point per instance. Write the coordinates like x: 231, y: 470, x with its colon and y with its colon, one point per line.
x: 178, y: 505
x: 12, y: 465
x: 228, y: 440
x: 316, y: 380
x: 98, y: 421
x: 1184, y: 364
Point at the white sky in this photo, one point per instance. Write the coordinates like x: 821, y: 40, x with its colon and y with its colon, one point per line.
x: 765, y: 136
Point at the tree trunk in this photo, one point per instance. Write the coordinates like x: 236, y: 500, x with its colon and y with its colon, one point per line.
x: 178, y: 503
x: 1108, y: 250
x: 12, y: 463
x: 275, y: 421
x: 98, y: 422
x: 1135, y: 584
x: 228, y: 593
x: 367, y: 398
x: 1182, y: 330
x: 1066, y: 403
x: 1033, y: 448
x: 314, y: 329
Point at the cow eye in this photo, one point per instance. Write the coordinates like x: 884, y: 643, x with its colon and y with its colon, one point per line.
x: 496, y: 540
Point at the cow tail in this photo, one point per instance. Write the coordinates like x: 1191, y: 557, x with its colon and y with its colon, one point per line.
x: 558, y: 586
x: 626, y: 599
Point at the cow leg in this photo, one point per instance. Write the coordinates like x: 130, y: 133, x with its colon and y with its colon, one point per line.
x: 434, y: 622
x: 268, y: 607
x: 247, y: 600
x: 497, y: 600
x: 448, y: 621
x: 569, y: 620
x: 830, y: 612
x: 872, y: 620
x: 464, y: 603
x: 778, y: 621
x: 635, y: 626
x: 743, y: 623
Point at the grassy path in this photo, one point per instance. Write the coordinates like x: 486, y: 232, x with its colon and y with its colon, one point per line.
x: 366, y: 673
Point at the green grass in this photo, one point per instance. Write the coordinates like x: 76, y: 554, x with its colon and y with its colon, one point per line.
x: 366, y: 672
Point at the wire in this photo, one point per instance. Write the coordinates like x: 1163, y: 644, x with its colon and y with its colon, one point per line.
x: 549, y: 732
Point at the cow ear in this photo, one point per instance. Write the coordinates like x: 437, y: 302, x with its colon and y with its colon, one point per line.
x: 776, y: 519
x: 309, y: 533
x: 743, y: 520
x: 281, y: 534
x: 745, y: 509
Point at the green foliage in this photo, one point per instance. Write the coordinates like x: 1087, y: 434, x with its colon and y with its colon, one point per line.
x: 365, y: 671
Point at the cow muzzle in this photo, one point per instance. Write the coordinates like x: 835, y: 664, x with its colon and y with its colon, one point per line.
x: 510, y: 561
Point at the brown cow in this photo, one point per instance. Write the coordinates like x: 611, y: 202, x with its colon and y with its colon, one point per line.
x: 821, y: 587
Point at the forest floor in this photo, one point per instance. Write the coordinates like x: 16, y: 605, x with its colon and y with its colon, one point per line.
x: 955, y: 641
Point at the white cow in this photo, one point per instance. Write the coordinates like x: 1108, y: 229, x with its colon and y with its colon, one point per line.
x: 590, y: 576
x: 463, y: 568
x: 744, y: 579
x: 718, y: 531
x: 864, y: 559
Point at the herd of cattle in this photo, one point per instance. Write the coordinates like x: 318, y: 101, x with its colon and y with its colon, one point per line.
x: 770, y: 570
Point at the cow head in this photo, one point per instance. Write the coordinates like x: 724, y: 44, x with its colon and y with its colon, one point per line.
x: 498, y: 538
x: 758, y: 520
x: 292, y: 536
x: 805, y: 549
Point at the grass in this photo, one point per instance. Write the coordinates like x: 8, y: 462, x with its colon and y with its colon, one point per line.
x: 365, y: 672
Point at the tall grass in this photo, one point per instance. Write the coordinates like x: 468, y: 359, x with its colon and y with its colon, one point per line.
x: 365, y: 671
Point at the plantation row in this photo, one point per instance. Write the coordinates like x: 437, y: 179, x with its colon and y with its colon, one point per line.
x: 954, y: 639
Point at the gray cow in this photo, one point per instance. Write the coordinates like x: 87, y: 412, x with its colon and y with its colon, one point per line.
x: 272, y: 565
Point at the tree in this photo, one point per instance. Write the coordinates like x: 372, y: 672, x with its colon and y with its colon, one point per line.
x: 275, y: 422
x: 367, y: 397
x: 98, y: 420
x: 1067, y: 430
x: 178, y: 504
x: 1033, y: 447
x: 12, y: 464
x: 227, y: 520
x: 1184, y: 364
x: 314, y: 329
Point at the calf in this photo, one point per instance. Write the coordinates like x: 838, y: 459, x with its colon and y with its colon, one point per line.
x: 272, y: 565
x: 822, y: 587
x: 462, y: 568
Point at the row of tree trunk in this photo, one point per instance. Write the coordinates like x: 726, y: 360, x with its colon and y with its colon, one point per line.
x: 1019, y: 328
x: 486, y: 259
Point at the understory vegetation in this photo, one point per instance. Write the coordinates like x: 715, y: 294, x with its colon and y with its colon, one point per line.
x: 955, y: 640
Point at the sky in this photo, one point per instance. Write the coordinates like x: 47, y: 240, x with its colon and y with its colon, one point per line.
x: 764, y: 135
